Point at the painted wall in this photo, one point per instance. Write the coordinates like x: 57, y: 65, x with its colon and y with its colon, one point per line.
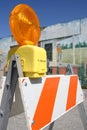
x: 73, y: 39
x: 5, y: 44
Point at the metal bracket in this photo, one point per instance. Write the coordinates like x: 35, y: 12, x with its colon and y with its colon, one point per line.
x: 14, y: 71
x: 69, y: 70
x: 81, y: 105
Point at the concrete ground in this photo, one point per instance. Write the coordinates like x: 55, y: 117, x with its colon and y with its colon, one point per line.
x: 70, y: 121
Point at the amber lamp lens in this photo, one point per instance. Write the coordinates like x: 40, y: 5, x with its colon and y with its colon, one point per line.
x: 24, y: 25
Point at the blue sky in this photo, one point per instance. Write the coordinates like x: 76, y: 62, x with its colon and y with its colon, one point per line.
x: 49, y: 12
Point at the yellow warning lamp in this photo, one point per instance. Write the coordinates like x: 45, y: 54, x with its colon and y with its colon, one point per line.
x: 25, y: 28
x: 24, y: 25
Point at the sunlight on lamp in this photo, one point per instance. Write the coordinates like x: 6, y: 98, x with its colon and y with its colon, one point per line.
x: 24, y: 25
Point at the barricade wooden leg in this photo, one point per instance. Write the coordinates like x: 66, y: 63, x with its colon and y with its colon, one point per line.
x: 83, y: 115
x: 51, y: 126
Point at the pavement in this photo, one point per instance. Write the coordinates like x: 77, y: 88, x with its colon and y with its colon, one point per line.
x: 70, y: 121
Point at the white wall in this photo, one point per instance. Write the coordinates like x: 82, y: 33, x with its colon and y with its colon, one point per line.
x: 66, y: 33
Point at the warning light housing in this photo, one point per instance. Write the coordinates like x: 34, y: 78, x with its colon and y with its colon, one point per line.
x: 25, y: 28
x: 33, y: 60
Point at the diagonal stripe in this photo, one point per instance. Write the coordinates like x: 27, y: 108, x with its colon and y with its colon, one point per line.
x: 61, y: 97
x: 71, y: 99
x: 46, y: 102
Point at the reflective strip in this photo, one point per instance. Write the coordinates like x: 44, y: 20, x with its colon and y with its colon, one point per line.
x: 71, y: 98
x: 48, y: 98
x: 46, y: 102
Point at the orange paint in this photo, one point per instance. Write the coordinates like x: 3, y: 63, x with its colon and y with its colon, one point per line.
x: 71, y: 99
x: 46, y: 102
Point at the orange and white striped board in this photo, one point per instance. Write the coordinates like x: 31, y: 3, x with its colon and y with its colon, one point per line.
x: 48, y: 98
